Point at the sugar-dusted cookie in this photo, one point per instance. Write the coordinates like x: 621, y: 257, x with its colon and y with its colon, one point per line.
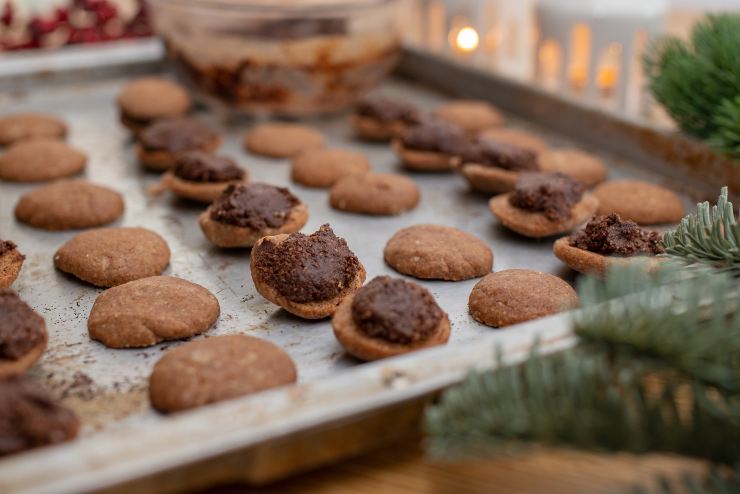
x: 68, y: 205
x: 493, y: 167
x: 430, y: 145
x: 324, y: 167
x: 282, y: 140
x: 378, y: 118
x: 109, y: 257
x: 18, y: 127
x: 375, y: 194
x: 472, y: 115
x: 39, y: 160
x: 388, y: 317
x: 307, y: 275
x: 516, y: 137
x: 144, y: 100
x: 544, y: 204
x: 608, y: 240
x: 148, y: 311
x: 31, y: 418
x: 584, y: 167
x: 642, y: 202
x: 161, y: 143
x: 11, y: 261
x: 513, y: 296
x: 202, y: 177
x: 245, y: 213
x: 438, y: 252
x: 23, y: 335
x: 217, y: 369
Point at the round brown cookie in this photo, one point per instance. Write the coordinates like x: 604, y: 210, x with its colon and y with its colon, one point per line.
x: 23, y: 126
x: 516, y: 137
x: 642, y: 202
x: 472, y: 115
x: 39, y: 160
x: 438, y: 252
x: 23, y: 335
x: 147, y: 99
x: 377, y: 118
x: 11, y: 261
x: 109, y: 257
x: 376, y: 194
x: 68, y: 205
x: 216, y: 369
x: 282, y: 140
x: 323, y: 167
x: 430, y: 146
x: 488, y: 180
x: 245, y: 213
x: 31, y: 418
x: 584, y: 167
x: 202, y: 177
x: 535, y: 224
x: 307, y: 275
x: 161, y: 143
x: 148, y: 311
x: 389, y: 317
x: 518, y: 295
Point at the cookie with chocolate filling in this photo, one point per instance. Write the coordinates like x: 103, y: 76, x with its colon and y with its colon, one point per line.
x: 642, y: 202
x: 18, y: 127
x: 23, y: 335
x: 69, y: 205
x: 147, y: 99
x: 389, y: 317
x: 161, y: 143
x: 217, y: 369
x: 11, y: 261
x: 282, y: 140
x: 472, y: 115
x: 245, y: 213
x: 544, y: 204
x: 145, y: 312
x: 202, y: 177
x: 493, y: 167
x: 516, y: 137
x: 109, y: 257
x: 378, y: 118
x: 31, y: 418
x: 580, y: 165
x: 430, y: 146
x: 40, y: 160
x: 437, y: 252
x: 514, y: 296
x: 307, y: 275
x: 375, y: 194
x: 605, y: 241
x: 324, y: 167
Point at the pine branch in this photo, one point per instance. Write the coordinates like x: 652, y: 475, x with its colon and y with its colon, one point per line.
x: 709, y: 236
x: 726, y: 137
x: 719, y: 481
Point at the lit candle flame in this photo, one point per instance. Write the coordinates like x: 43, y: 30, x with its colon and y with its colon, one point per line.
x: 467, y: 39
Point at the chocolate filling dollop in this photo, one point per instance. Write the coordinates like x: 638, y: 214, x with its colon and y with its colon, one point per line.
x: 435, y: 136
x: 387, y: 110
x: 30, y: 418
x: 496, y: 154
x: 308, y: 268
x: 199, y: 166
x: 176, y: 135
x: 21, y: 328
x: 6, y: 246
x: 552, y: 194
x: 395, y: 310
x: 256, y: 206
x: 612, y: 236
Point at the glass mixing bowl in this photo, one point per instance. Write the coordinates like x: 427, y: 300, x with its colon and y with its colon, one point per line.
x: 288, y: 57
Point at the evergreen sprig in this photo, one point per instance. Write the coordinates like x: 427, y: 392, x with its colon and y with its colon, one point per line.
x: 727, y: 120
x: 709, y: 236
x: 719, y: 481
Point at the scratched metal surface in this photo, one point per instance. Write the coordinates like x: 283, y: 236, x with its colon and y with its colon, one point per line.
x: 107, y: 388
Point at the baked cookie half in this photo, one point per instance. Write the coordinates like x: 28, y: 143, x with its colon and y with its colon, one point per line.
x: 161, y: 143
x: 307, y: 275
x: 282, y: 140
x: 606, y: 241
x: 202, y: 177
x: 148, y: 99
x: 642, y: 202
x: 430, y: 145
x: 11, y: 262
x: 580, y: 165
x: 381, y: 194
x: 472, y: 115
x: 377, y: 118
x: 516, y: 137
x: 24, y: 126
x: 543, y: 205
x: 388, y: 317
x: 493, y: 167
x: 244, y: 213
x: 40, y: 160
x: 323, y: 168
x: 23, y: 335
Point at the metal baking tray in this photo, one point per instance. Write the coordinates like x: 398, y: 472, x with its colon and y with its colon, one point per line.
x: 339, y: 407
